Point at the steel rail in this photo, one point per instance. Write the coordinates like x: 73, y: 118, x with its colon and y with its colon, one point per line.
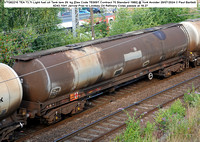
x: 68, y: 136
x: 142, y: 115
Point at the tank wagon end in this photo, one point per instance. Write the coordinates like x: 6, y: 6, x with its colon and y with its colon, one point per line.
x: 10, y: 99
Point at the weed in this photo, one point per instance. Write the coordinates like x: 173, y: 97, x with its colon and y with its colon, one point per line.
x: 176, y: 122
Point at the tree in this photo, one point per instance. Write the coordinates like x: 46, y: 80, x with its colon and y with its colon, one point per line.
x: 25, y: 30
x: 123, y: 22
x: 140, y: 18
x: 42, y: 20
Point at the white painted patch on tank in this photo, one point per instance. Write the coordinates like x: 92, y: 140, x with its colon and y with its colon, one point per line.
x: 76, y: 75
x: 47, y: 75
x: 133, y: 55
x: 87, y: 68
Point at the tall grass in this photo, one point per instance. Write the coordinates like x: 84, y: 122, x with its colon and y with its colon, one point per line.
x: 180, y: 122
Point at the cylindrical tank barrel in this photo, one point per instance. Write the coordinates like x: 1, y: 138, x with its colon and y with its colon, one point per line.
x: 59, y: 73
x: 10, y: 91
x: 193, y: 30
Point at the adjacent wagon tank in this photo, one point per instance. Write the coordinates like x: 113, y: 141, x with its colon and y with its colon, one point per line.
x: 10, y: 91
x: 55, y: 72
x: 193, y: 31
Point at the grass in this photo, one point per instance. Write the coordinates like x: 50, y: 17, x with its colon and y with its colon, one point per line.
x: 180, y: 122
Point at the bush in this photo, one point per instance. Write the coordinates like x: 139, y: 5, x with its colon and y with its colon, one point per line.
x: 15, y: 43
x: 164, y: 117
x: 135, y: 133
x: 140, y: 18
x: 177, y: 123
x: 192, y: 97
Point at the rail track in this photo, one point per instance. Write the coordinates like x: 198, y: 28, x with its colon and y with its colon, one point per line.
x: 105, y: 126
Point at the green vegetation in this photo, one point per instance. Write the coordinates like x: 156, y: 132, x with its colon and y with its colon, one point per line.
x: 141, y: 18
x: 135, y: 133
x: 101, y: 29
x: 180, y: 122
x: 24, y: 30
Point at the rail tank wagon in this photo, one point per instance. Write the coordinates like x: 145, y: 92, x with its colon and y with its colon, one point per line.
x: 67, y: 71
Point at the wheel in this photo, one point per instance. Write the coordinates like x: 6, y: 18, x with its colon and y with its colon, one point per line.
x: 150, y: 76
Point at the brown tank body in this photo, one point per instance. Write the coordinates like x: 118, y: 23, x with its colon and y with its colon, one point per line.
x: 70, y: 70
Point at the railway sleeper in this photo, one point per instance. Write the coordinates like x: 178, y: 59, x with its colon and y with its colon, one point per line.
x: 104, y: 128
x: 115, y: 121
x: 92, y: 135
x: 110, y: 124
x: 96, y: 131
x: 81, y: 138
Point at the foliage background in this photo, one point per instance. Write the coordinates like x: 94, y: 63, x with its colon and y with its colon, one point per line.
x: 24, y: 30
x: 141, y: 18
